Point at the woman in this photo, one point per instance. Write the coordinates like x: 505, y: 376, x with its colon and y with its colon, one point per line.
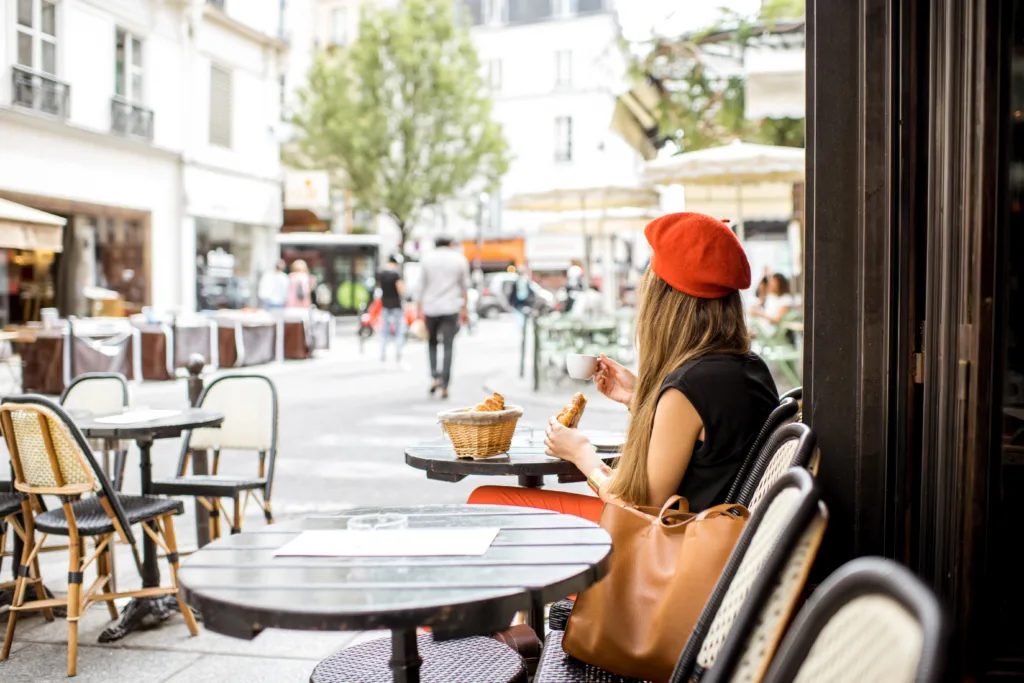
x: 776, y: 304
x: 300, y: 286
x: 700, y: 396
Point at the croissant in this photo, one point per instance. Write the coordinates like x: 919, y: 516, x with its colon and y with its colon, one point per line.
x: 491, y: 405
x: 571, y: 414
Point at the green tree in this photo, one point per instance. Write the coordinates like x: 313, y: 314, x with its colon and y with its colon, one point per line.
x: 701, y: 108
x: 402, y: 117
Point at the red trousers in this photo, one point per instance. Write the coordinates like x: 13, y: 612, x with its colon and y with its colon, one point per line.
x: 587, y: 507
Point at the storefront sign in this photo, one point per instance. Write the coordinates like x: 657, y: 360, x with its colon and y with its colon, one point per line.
x: 307, y: 190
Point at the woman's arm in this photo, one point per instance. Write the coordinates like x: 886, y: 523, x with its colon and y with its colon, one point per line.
x: 677, y: 426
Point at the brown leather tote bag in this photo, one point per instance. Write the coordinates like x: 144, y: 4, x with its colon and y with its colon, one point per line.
x: 665, y: 563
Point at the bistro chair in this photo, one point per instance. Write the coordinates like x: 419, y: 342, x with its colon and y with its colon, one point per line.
x: 249, y: 405
x: 794, y: 445
x: 51, y: 457
x: 101, y: 393
x: 784, y: 413
x: 10, y: 506
x: 871, y: 620
x: 753, y: 598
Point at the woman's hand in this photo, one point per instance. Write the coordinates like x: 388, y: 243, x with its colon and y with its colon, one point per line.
x: 567, y: 444
x: 615, y: 381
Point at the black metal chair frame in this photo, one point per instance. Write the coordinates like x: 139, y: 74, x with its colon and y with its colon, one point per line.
x: 120, y: 455
x: 857, y: 578
x: 159, y: 526
x: 787, y: 409
x: 208, y: 492
x: 805, y: 448
x: 686, y: 666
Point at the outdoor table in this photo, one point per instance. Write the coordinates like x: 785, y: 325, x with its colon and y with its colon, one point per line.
x: 525, y: 459
x: 144, y: 433
x: 538, y: 557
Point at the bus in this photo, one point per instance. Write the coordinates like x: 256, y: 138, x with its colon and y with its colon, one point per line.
x: 344, y: 267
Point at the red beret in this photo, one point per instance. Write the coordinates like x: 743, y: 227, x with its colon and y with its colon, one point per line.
x: 697, y: 255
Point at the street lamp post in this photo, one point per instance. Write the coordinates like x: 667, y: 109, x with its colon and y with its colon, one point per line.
x: 478, y: 265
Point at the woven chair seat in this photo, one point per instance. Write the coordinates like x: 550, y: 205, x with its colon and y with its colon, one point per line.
x: 479, y: 659
x: 557, y: 667
x: 558, y: 614
x: 211, y: 485
x: 9, y: 504
x: 93, y: 521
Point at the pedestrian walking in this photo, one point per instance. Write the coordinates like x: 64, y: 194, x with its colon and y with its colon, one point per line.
x: 273, y: 291
x: 444, y: 288
x: 300, y: 286
x: 392, y: 294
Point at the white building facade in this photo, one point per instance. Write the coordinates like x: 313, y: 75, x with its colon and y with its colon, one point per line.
x: 556, y: 71
x: 152, y: 125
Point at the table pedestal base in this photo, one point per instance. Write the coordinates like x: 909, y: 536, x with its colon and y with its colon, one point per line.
x: 405, y: 657
x: 141, y: 614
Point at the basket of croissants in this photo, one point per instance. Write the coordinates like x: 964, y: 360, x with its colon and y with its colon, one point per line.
x: 482, y: 431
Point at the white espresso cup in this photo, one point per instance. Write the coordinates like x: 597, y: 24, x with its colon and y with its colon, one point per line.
x: 581, y: 366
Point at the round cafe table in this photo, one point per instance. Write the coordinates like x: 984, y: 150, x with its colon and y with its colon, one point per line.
x: 525, y: 459
x: 538, y: 557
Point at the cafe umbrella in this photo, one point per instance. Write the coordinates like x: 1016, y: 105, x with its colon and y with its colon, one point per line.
x: 582, y: 200
x: 738, y: 163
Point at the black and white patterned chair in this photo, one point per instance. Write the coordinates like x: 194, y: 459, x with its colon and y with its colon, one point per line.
x: 793, y: 445
x: 758, y: 588
x: 871, y: 620
x: 778, y: 418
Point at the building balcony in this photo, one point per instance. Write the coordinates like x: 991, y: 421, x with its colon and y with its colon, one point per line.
x: 39, y: 92
x: 130, y: 120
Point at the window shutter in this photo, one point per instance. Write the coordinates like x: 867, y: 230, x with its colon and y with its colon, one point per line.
x: 220, y: 106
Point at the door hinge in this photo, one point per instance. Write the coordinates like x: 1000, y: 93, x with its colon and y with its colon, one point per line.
x: 918, y: 363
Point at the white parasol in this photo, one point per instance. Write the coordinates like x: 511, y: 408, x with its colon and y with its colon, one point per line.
x: 738, y: 163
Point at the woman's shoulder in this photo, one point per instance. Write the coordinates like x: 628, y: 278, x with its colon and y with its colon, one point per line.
x: 713, y: 367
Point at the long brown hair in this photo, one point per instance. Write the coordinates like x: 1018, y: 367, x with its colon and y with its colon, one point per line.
x: 671, y: 329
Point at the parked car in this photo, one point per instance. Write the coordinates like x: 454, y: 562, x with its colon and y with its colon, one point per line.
x: 494, y: 298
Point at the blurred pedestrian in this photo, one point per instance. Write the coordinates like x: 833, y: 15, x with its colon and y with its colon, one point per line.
x: 273, y: 290
x: 522, y: 296
x: 444, y: 288
x: 300, y: 286
x: 392, y: 294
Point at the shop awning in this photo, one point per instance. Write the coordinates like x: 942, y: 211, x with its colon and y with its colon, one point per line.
x: 24, y: 228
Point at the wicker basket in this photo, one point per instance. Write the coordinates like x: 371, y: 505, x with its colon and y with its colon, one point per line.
x: 480, y: 435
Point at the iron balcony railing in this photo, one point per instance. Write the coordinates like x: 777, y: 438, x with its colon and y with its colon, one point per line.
x: 130, y: 119
x: 39, y: 92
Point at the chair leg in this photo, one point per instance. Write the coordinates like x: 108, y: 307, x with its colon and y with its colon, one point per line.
x: 74, y: 589
x: 40, y: 588
x: 172, y: 560
x: 105, y: 567
x: 236, y: 524
x: 214, y: 519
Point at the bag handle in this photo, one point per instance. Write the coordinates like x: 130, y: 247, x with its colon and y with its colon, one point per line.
x: 724, y: 509
x: 684, y: 506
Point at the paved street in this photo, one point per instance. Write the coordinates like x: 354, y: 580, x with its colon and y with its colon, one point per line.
x: 345, y: 421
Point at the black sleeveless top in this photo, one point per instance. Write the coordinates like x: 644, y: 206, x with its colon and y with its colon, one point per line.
x: 733, y: 394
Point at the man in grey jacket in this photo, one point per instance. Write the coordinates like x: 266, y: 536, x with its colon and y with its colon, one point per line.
x: 444, y: 283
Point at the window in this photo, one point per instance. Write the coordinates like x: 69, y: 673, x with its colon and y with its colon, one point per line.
x: 563, y: 69
x: 563, y: 138
x: 339, y: 26
x: 587, y: 6
x: 128, y: 67
x: 492, y: 73
x: 528, y: 10
x: 220, y: 106
x: 477, y: 11
x: 37, y: 35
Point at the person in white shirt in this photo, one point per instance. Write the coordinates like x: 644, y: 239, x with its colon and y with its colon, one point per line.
x: 777, y: 303
x: 273, y: 291
x: 444, y: 287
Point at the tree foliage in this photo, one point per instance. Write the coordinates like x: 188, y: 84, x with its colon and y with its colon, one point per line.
x: 702, y: 107
x: 401, y: 117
